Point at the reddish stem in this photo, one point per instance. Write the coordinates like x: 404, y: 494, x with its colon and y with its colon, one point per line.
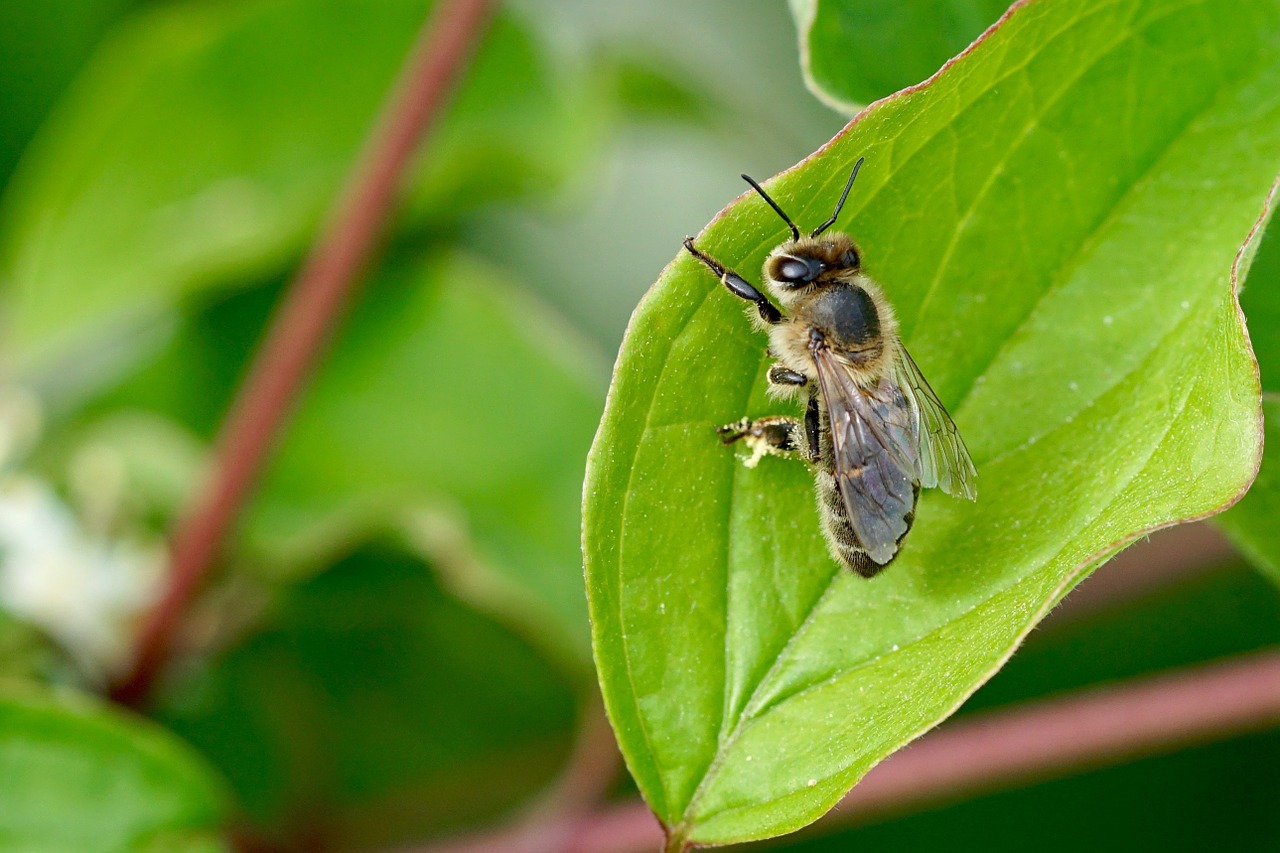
x: 306, y: 318
x: 1039, y: 740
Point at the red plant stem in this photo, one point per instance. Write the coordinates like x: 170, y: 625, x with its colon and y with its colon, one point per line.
x: 1039, y: 740
x: 306, y: 318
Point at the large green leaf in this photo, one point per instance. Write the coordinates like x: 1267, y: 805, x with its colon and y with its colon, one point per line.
x: 1055, y: 218
x: 204, y: 142
x: 77, y: 776
x: 855, y: 51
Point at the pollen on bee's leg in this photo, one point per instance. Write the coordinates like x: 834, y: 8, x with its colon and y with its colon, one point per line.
x: 763, y: 442
x: 773, y: 435
x: 729, y: 433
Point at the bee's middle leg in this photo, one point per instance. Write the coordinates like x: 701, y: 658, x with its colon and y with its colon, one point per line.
x: 785, y: 376
x: 807, y: 443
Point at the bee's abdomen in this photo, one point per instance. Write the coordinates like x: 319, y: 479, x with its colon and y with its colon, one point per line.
x: 839, y: 533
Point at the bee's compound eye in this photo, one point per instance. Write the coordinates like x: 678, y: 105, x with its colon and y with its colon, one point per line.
x: 850, y: 259
x: 793, y: 270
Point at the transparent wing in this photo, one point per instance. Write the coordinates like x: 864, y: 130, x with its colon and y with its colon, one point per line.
x: 943, y: 459
x: 874, y: 442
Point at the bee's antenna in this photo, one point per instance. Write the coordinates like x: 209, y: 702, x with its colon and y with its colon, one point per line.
x: 764, y: 195
x: 832, y: 221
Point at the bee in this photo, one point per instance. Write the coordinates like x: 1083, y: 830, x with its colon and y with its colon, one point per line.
x: 873, y: 430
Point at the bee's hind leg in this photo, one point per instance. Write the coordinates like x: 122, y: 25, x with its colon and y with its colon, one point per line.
x: 772, y: 435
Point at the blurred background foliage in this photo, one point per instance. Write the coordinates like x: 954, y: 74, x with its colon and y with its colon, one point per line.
x: 396, y: 645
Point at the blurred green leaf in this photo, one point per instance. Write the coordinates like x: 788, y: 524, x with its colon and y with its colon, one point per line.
x: 1260, y: 300
x: 856, y: 51
x: 646, y: 91
x: 376, y: 710
x: 25, y: 653
x: 205, y: 141
x: 151, y: 466
x: 42, y: 45
x: 450, y: 399
x: 1057, y: 234
x: 192, y: 368
x: 77, y: 776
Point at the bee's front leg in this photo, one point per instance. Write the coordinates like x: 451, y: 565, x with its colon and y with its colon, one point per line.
x: 772, y: 435
x: 737, y: 285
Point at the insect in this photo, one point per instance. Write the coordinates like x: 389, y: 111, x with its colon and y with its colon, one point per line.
x: 873, y: 430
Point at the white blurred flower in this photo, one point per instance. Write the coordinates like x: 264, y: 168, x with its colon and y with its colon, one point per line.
x: 88, y: 593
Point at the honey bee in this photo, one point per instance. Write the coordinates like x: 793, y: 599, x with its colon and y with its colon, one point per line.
x: 873, y: 430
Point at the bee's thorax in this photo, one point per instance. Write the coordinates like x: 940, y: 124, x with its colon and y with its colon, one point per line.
x: 845, y: 317
x: 849, y: 316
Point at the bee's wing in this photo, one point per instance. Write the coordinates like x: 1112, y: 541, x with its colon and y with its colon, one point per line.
x: 874, y: 442
x: 943, y: 459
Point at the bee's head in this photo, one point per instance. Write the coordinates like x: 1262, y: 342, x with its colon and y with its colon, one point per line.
x: 804, y: 262
x: 812, y: 261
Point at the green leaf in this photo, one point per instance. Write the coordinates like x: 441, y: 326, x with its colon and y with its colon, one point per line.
x: 451, y: 399
x: 205, y: 141
x: 193, y: 369
x: 42, y: 45
x: 25, y: 654
x: 1260, y: 300
x: 856, y: 51
x: 377, y: 701
x: 77, y: 776
x: 1055, y: 218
